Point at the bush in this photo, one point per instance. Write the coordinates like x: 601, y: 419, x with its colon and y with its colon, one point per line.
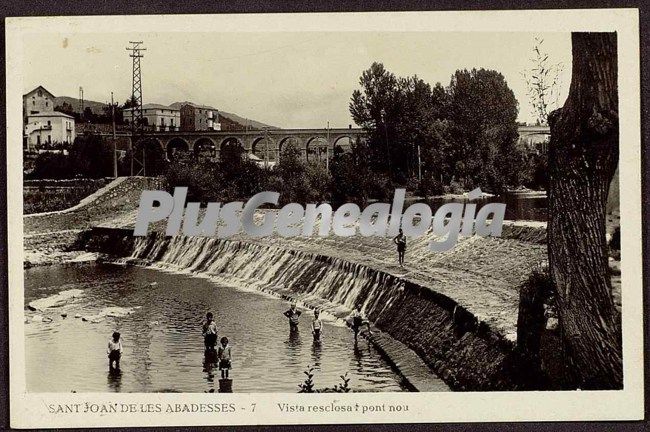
x: 51, y: 166
x: 299, y: 181
x: 233, y: 178
x: 430, y: 185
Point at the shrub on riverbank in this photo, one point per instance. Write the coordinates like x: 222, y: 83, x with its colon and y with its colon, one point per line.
x: 307, y: 386
x: 50, y: 195
x: 90, y: 156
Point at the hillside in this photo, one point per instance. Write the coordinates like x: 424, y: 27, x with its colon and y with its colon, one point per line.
x: 97, y: 108
x: 253, y: 124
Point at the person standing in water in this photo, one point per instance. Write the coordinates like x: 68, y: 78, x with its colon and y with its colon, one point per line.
x: 400, y: 241
x: 210, y: 332
x: 114, y: 352
x: 293, y: 316
x: 316, y: 326
x: 357, y: 321
x: 224, y: 353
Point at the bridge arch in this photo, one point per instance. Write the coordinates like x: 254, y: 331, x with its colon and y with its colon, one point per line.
x: 344, y: 142
x: 230, y: 145
x: 231, y: 140
x: 316, y: 149
x: 264, y: 147
x: 175, y: 147
x: 290, y: 141
x: 204, y: 148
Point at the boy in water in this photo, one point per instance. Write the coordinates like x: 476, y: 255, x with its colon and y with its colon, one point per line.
x: 316, y: 326
x: 400, y: 241
x: 210, y: 332
x: 357, y: 321
x: 114, y: 352
x: 225, y: 356
x: 293, y: 316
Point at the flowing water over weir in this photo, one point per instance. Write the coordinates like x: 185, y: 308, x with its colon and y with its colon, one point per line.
x: 328, y: 282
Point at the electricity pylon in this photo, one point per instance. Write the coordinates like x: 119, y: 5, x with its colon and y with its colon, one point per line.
x: 137, y: 120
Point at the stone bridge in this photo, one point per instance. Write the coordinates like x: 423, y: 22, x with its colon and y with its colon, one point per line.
x: 535, y: 137
x: 264, y: 144
x: 314, y: 144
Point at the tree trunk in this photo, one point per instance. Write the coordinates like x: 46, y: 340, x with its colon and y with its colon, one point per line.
x: 583, y: 156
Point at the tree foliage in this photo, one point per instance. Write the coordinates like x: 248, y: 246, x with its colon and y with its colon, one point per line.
x: 464, y: 134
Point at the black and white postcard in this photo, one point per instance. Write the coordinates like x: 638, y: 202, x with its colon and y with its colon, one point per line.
x: 324, y: 218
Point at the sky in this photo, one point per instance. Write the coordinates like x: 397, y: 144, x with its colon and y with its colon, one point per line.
x: 285, y: 79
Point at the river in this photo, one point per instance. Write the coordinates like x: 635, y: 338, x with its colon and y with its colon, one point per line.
x: 163, y: 347
x: 531, y: 206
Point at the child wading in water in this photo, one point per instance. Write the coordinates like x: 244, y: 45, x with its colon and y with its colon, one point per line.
x: 316, y: 326
x: 114, y: 352
x: 225, y: 357
x: 400, y: 241
x: 209, y: 332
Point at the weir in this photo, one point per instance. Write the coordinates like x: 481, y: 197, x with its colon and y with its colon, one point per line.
x: 465, y: 352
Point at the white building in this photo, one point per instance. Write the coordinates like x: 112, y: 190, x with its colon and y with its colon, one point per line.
x: 37, y: 101
x: 48, y: 128
x: 158, y: 117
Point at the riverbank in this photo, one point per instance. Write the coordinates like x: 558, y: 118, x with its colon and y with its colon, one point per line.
x: 48, y: 236
x: 457, y: 310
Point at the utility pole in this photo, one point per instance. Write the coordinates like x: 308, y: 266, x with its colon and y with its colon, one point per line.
x: 383, y: 120
x: 136, y: 98
x: 419, y: 164
x: 114, y: 143
x: 327, y: 149
x: 266, y: 147
x: 81, y: 102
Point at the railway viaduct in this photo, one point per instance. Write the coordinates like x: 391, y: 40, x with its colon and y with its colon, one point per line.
x: 268, y: 144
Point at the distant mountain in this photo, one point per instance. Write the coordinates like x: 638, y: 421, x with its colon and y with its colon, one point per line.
x: 253, y: 124
x: 96, y: 107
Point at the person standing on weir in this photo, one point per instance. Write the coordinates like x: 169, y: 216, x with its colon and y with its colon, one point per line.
x: 293, y: 316
x: 400, y: 241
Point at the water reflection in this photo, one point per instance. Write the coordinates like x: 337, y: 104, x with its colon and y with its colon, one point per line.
x: 357, y: 356
x: 293, y: 348
x: 316, y: 352
x: 519, y: 206
x: 209, y: 366
x: 115, y: 380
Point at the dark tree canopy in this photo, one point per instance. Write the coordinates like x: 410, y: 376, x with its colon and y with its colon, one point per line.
x: 466, y: 133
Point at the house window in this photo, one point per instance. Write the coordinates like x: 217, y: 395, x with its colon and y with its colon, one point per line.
x: 33, y: 102
x: 49, y: 123
x: 49, y: 139
x: 38, y: 140
x: 47, y: 104
x: 40, y: 93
